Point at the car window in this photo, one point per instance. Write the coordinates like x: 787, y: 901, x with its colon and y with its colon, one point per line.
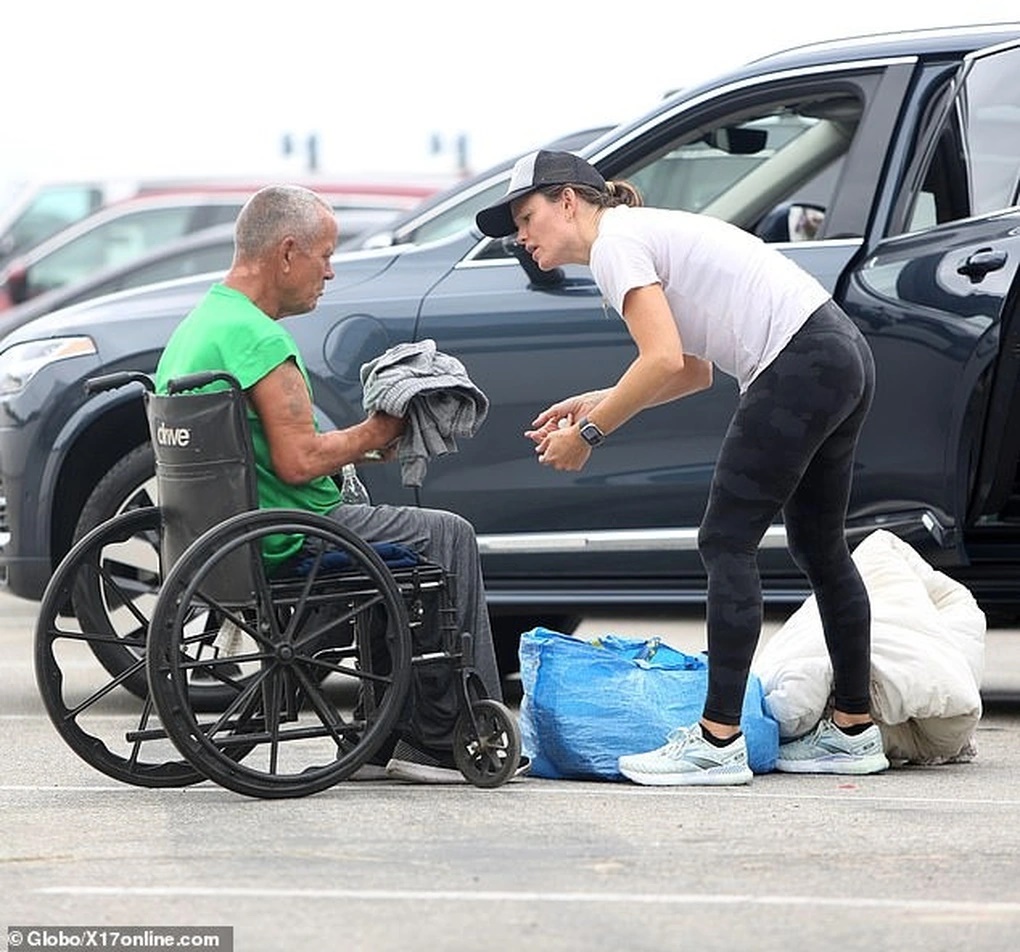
x: 989, y: 106
x: 459, y: 216
x: 216, y: 214
x: 53, y: 209
x: 356, y: 220
x: 773, y: 171
x: 114, y: 242
x: 973, y: 165
x: 184, y: 264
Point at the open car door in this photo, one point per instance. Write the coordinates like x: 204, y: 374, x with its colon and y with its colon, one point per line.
x: 938, y: 296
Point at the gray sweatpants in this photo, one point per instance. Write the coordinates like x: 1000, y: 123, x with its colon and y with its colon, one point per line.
x: 448, y: 540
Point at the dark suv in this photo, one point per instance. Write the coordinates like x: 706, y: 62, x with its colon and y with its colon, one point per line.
x: 887, y: 166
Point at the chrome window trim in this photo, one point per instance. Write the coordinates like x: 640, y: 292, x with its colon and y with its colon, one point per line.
x: 852, y: 242
x: 675, y: 539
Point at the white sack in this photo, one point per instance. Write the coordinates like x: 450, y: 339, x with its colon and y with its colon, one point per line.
x: 927, y: 658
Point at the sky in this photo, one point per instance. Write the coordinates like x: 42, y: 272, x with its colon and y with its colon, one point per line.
x: 121, y: 89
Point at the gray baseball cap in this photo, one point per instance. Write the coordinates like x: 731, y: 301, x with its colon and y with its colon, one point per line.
x: 532, y: 172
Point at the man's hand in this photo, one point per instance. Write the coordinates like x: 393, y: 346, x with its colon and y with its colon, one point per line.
x: 385, y: 430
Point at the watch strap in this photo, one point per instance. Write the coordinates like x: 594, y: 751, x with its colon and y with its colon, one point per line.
x: 590, y: 432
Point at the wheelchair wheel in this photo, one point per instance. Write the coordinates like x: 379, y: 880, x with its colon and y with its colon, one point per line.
x: 103, y: 602
x: 318, y: 661
x: 112, y: 729
x: 487, y: 744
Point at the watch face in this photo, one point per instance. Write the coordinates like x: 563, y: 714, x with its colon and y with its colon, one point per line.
x: 592, y: 434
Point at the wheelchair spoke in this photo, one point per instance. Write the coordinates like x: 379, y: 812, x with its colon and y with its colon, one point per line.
x: 110, y: 685
x: 327, y: 714
x: 218, y: 614
x: 93, y: 638
x: 127, y: 600
x: 211, y: 666
x: 344, y: 618
x: 239, y: 702
x: 272, y: 693
x: 143, y: 723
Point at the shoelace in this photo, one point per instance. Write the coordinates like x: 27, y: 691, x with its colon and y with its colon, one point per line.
x: 678, y: 738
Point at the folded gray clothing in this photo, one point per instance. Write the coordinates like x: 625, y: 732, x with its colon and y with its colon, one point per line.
x: 433, y: 392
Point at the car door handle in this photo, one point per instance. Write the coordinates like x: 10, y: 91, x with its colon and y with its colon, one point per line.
x: 981, y: 262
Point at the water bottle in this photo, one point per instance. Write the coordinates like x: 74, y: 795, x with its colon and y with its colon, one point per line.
x: 352, y: 489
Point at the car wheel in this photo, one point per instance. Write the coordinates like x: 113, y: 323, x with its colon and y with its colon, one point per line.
x: 130, y: 484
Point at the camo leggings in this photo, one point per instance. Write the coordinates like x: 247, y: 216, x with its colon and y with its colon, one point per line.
x: 790, y: 448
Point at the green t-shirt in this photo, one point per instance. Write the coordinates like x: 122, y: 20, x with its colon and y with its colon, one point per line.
x: 226, y: 331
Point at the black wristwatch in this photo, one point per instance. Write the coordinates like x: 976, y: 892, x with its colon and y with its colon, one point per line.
x: 590, y: 432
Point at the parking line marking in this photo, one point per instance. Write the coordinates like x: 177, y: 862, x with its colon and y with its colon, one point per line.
x: 563, y: 788
x: 459, y: 895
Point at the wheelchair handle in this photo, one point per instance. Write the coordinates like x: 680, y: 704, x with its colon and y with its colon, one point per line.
x: 122, y: 378
x: 201, y: 379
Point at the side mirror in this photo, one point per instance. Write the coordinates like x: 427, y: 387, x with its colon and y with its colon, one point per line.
x: 538, y: 277
x: 792, y: 222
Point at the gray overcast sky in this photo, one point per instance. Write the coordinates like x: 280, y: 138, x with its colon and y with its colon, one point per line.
x: 120, y: 88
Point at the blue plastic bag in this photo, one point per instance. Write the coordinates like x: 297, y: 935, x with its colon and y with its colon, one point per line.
x: 586, y: 703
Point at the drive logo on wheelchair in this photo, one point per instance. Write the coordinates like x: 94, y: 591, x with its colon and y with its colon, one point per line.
x: 173, y: 435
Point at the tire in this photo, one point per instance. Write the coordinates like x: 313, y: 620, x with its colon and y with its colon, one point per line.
x: 129, y: 484
x: 490, y: 757
x: 122, y: 739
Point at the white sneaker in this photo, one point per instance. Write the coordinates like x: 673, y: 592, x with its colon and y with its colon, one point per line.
x: 687, y: 759
x: 828, y: 750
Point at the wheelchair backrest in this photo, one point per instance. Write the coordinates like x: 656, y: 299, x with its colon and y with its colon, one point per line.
x: 205, y: 472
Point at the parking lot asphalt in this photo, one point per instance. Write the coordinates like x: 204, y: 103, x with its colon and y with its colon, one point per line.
x: 915, y: 858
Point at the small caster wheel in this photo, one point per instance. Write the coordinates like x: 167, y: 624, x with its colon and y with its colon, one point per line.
x: 488, y: 758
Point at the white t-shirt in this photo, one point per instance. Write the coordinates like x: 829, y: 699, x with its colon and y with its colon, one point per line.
x: 736, y: 300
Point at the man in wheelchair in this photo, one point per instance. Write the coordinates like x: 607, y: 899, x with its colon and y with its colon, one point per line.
x: 285, y: 237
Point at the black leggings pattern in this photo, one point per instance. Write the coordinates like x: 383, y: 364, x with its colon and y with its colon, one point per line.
x: 790, y: 448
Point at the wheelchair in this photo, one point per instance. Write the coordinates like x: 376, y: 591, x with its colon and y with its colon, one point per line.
x: 269, y: 650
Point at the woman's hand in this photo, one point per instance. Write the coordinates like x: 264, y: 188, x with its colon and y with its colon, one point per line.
x: 563, y: 448
x: 563, y: 414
